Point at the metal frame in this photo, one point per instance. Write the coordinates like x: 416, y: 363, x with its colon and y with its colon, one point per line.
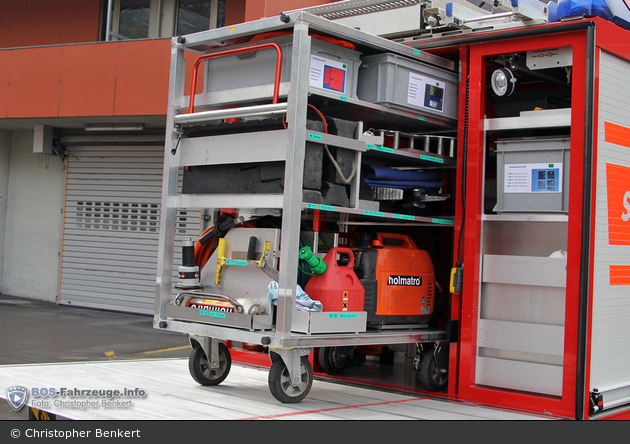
x: 171, y: 317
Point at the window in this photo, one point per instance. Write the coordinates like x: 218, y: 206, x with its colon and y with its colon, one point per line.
x: 134, y: 18
x: 141, y: 19
x: 194, y: 16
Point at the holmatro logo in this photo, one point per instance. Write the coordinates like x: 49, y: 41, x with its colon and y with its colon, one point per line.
x: 410, y: 281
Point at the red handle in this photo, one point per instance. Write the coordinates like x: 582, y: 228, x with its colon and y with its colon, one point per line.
x: 331, y: 256
x: 403, y: 238
x: 276, y: 85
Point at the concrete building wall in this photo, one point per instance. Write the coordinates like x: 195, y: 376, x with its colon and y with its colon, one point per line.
x: 5, y: 151
x: 33, y: 222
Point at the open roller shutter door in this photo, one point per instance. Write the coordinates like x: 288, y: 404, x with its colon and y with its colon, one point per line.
x: 111, y: 225
x: 610, y: 348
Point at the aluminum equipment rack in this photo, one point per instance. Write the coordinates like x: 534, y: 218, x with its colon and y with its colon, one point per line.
x: 291, y: 95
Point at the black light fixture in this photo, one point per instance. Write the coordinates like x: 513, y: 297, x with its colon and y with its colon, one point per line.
x: 504, y: 82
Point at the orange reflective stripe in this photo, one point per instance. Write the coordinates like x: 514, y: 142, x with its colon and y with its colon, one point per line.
x: 620, y: 275
x: 618, y: 184
x: 617, y: 134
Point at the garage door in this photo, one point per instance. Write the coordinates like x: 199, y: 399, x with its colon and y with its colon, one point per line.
x: 111, y: 225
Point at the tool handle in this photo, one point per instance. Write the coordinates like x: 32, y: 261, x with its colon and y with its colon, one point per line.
x: 339, y: 250
x: 405, y: 241
x: 221, y: 228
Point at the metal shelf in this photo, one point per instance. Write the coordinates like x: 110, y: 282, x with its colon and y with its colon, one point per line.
x: 525, y: 217
x: 286, y: 145
x: 378, y: 216
x: 553, y: 118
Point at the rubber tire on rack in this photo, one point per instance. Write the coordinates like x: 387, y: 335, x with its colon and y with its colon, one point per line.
x: 430, y: 376
x: 280, y: 381
x: 201, y: 373
x: 334, y: 360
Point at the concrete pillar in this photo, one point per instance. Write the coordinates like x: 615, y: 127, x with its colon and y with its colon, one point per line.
x: 5, y: 150
x: 33, y: 227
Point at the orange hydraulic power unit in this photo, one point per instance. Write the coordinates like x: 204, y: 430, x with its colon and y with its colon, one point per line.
x: 398, y: 279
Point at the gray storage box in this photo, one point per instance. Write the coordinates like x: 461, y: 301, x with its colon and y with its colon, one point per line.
x: 533, y: 175
x: 332, y: 68
x: 392, y: 80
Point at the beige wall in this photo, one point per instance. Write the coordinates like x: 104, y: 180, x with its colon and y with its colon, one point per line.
x: 32, y: 226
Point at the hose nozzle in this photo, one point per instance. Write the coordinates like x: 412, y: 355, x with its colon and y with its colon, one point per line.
x: 318, y: 266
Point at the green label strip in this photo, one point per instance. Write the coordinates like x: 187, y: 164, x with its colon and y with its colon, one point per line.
x: 369, y: 146
x: 431, y: 158
x: 342, y: 316
x: 343, y: 98
x: 233, y: 262
x: 417, y: 52
x: 314, y: 136
x: 421, y: 117
x: 403, y: 216
x: 213, y: 314
x: 373, y: 213
x: 441, y: 221
x: 326, y: 207
x: 311, y: 206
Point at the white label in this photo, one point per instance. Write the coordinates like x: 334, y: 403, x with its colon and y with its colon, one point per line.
x: 425, y: 92
x: 328, y: 74
x: 533, y: 178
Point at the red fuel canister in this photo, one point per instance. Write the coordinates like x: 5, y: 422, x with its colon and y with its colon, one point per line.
x: 338, y: 289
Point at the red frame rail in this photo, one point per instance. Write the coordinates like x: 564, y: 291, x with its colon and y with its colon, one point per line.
x: 276, y: 86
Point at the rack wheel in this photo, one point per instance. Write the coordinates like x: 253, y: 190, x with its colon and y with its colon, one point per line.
x: 280, y: 382
x: 334, y: 360
x: 432, y: 378
x: 200, y: 370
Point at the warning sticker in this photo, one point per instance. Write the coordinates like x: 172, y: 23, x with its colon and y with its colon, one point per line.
x: 327, y: 74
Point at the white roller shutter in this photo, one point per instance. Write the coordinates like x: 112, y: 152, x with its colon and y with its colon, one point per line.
x: 610, y: 347
x: 111, y: 224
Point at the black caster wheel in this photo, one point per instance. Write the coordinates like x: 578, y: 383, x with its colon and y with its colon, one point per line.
x: 200, y: 369
x: 334, y: 360
x: 280, y: 382
x: 432, y: 378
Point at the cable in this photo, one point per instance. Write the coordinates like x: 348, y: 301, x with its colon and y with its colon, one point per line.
x: 330, y: 156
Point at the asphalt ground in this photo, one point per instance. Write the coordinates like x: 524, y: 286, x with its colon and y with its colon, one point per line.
x: 37, y: 332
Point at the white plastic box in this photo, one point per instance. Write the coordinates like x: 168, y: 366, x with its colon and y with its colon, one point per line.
x: 393, y: 80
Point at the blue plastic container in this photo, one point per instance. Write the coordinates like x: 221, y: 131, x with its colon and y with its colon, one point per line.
x: 568, y: 8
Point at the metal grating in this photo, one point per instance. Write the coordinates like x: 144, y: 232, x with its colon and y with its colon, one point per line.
x: 358, y: 7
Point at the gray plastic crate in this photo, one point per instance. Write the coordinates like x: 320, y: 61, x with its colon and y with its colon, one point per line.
x: 333, y: 68
x: 392, y: 80
x: 533, y: 175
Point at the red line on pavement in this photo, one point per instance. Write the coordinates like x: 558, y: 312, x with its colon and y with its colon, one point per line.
x: 308, y: 412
